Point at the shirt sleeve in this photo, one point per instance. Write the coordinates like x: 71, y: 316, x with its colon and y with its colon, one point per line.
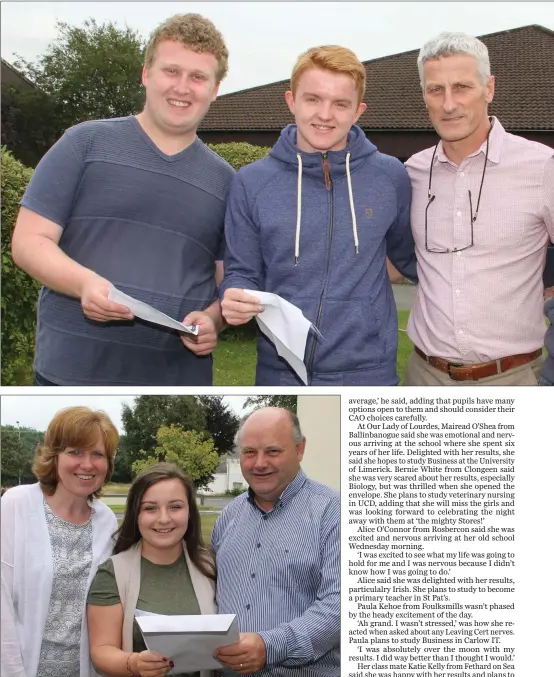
x: 244, y: 266
x: 548, y: 188
x: 11, y: 660
x: 400, y: 241
x: 103, y: 591
x: 54, y: 183
x: 317, y: 631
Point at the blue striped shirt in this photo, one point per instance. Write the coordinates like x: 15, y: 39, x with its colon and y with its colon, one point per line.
x: 279, y: 572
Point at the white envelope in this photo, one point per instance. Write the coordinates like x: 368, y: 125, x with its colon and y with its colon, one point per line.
x: 189, y: 641
x: 146, y: 312
x: 285, y: 325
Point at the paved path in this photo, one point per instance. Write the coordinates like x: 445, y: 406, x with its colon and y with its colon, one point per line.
x: 218, y: 503
x: 404, y: 295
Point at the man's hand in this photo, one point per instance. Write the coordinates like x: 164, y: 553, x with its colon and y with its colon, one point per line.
x: 206, y: 341
x: 238, y: 307
x: 150, y: 664
x: 246, y: 656
x: 95, y: 302
x: 548, y: 293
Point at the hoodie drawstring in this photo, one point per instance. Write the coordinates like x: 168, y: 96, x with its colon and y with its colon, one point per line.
x: 298, y: 210
x: 351, y: 198
x: 299, y: 207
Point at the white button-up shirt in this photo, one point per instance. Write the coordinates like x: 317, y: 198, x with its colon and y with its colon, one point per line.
x: 485, y: 302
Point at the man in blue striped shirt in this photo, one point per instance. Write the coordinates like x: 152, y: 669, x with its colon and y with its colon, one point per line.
x: 278, y: 558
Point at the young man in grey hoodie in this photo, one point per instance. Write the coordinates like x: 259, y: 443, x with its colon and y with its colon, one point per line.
x: 314, y: 222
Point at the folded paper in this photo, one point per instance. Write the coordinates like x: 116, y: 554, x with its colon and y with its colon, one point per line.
x: 146, y: 312
x: 285, y: 325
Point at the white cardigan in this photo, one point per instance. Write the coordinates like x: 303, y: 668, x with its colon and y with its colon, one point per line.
x: 27, y: 575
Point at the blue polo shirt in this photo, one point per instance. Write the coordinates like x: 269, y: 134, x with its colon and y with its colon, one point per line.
x: 150, y: 223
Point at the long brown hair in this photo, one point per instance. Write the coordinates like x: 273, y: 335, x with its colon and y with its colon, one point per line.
x: 128, y: 533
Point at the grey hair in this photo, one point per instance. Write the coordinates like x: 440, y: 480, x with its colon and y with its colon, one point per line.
x: 447, y: 44
x: 294, y: 421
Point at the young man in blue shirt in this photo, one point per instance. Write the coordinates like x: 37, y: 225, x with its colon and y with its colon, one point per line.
x: 137, y: 202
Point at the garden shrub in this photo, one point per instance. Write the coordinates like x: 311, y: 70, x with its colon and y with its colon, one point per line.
x: 239, y: 153
x: 19, y: 291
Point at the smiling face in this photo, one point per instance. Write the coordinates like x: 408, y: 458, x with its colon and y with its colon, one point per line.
x: 269, y: 456
x: 457, y: 100
x: 163, y: 516
x: 180, y: 85
x: 82, y: 471
x: 325, y: 106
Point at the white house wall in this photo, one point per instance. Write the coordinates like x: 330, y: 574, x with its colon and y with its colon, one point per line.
x: 319, y: 417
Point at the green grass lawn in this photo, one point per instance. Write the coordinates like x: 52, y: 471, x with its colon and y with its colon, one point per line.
x: 235, y: 357
x: 208, y: 521
x: 405, y: 346
x: 235, y: 361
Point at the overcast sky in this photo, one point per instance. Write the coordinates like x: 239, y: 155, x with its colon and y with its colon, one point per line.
x: 265, y: 38
x: 36, y: 411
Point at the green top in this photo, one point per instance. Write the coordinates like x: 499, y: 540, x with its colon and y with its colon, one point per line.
x: 164, y: 589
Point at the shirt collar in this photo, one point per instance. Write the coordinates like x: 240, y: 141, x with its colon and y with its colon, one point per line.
x: 288, y: 492
x: 496, y: 139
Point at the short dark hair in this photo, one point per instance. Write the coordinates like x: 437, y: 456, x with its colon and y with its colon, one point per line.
x: 128, y: 533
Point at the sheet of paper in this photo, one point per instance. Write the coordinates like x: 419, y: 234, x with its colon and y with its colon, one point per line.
x: 189, y: 641
x: 285, y: 325
x: 146, y: 312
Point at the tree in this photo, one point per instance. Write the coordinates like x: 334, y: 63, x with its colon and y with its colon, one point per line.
x: 284, y: 401
x: 189, y: 450
x: 88, y: 72
x: 18, y: 451
x: 123, y: 471
x: 30, y: 123
x: 221, y: 422
x: 151, y: 412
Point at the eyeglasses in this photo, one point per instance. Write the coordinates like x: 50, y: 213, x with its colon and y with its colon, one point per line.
x: 472, y: 216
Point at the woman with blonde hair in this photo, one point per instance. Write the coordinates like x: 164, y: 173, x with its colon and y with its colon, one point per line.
x: 159, y: 565
x: 55, y: 533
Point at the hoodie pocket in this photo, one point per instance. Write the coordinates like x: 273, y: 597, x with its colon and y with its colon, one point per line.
x: 352, y: 332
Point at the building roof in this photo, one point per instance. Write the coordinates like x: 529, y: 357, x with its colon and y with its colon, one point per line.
x: 11, y: 77
x: 522, y: 60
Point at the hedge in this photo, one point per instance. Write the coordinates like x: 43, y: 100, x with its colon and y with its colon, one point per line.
x: 20, y: 292
x: 239, y: 154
